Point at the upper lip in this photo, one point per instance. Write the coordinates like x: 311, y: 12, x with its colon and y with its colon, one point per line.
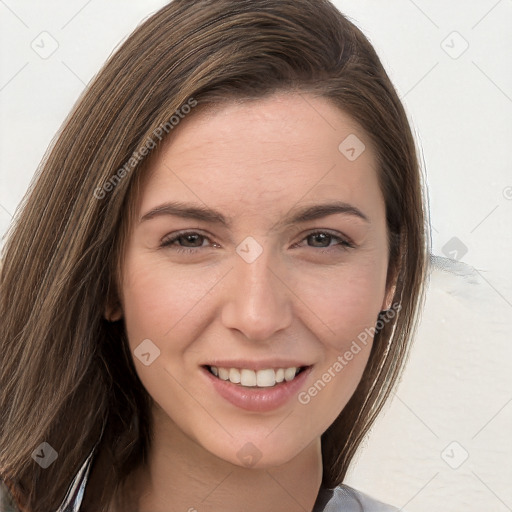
x: 256, y: 365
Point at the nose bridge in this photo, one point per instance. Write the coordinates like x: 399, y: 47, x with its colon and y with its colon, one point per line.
x: 257, y: 303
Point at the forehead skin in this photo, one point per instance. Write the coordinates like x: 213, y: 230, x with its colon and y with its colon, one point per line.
x: 255, y: 160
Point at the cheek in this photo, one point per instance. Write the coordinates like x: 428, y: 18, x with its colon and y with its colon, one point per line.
x: 349, y: 315
x: 330, y: 391
x: 157, y: 298
x: 345, y: 301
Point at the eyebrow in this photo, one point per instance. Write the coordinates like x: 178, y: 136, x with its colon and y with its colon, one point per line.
x: 295, y: 216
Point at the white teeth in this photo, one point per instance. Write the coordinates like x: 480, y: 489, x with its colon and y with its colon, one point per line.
x: 265, y: 378
x: 289, y: 374
x: 247, y: 377
x: 250, y: 378
x: 234, y: 375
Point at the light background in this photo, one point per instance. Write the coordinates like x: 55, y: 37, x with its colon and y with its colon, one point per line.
x: 455, y: 399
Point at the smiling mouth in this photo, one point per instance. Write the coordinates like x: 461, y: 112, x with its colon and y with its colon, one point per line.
x: 256, y: 379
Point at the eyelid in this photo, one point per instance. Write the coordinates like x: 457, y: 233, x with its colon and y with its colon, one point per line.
x: 345, y: 242
x: 343, y: 239
x: 169, y: 239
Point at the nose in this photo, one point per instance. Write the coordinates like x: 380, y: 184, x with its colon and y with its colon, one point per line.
x: 258, y: 301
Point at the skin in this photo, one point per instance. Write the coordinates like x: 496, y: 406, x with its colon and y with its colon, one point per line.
x: 304, y: 295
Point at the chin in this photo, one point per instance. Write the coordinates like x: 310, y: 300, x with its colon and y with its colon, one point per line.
x: 259, y: 453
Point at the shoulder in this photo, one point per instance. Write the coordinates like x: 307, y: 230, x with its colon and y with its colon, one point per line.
x: 347, y: 499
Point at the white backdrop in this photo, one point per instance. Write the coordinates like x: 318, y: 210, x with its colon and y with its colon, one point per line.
x: 445, y: 440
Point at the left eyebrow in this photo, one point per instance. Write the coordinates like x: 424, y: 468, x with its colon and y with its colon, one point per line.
x: 308, y: 213
x: 295, y: 216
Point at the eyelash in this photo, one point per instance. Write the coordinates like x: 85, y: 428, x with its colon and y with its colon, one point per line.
x: 342, y: 245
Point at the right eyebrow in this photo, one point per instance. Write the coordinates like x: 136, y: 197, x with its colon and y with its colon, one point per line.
x: 187, y: 211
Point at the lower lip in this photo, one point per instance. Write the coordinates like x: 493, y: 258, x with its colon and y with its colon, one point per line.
x: 258, y: 399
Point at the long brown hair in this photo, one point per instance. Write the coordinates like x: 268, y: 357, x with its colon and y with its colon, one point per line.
x: 66, y: 372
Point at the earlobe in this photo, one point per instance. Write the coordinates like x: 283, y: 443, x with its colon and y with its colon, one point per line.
x: 391, y: 283
x: 388, y: 298
x: 113, y: 313
x: 113, y: 308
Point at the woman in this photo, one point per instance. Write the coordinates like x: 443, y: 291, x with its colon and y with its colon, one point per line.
x: 223, y: 261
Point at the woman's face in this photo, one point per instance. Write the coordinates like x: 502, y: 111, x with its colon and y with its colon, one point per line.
x: 260, y: 247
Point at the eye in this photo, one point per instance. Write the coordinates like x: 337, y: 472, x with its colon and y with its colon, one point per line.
x: 188, y: 242
x: 323, y: 239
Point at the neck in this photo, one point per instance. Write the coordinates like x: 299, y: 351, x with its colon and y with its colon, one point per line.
x: 181, y: 476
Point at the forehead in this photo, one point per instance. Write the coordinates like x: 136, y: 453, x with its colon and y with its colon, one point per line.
x: 250, y: 157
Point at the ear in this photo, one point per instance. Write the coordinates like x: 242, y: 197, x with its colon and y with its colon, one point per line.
x: 390, y: 289
x: 113, y: 308
x: 388, y: 298
x: 113, y: 312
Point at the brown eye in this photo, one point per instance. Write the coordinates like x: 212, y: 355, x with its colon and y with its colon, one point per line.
x: 323, y: 240
x: 187, y: 242
x: 191, y: 239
